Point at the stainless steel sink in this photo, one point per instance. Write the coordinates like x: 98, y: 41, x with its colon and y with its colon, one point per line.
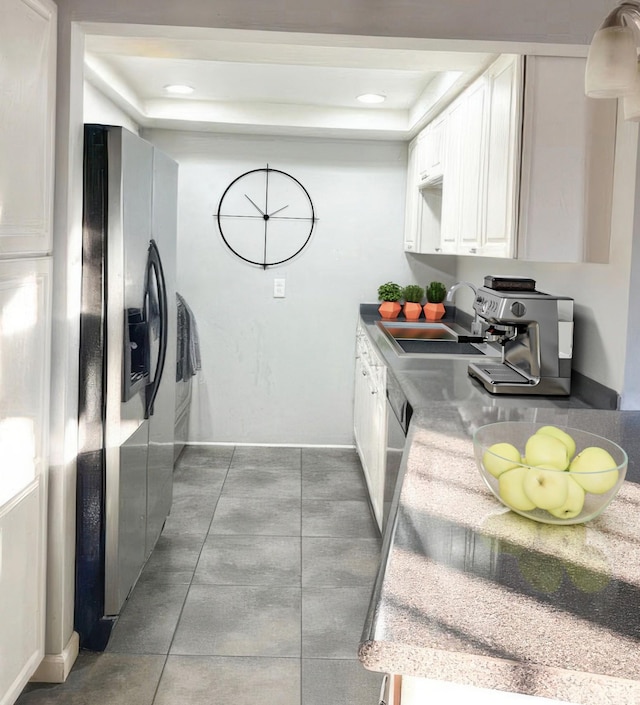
x: 438, y: 347
x: 418, y: 331
x: 417, y: 339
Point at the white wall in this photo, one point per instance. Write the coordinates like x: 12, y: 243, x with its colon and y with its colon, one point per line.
x: 100, y: 110
x: 281, y: 370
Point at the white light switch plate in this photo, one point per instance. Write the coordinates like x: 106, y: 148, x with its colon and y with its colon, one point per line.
x: 279, y: 288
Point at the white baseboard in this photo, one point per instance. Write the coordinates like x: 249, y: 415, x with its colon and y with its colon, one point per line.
x: 54, y: 668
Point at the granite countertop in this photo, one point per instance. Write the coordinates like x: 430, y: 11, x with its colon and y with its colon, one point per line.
x: 471, y: 593
x: 428, y: 379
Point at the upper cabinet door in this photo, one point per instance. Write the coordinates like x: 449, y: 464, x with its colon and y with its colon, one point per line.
x: 472, y: 170
x: 568, y: 157
x: 27, y: 99
x: 452, y: 179
x: 503, y: 156
x: 430, y: 149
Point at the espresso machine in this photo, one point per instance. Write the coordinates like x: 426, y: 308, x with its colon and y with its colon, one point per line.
x: 535, y: 332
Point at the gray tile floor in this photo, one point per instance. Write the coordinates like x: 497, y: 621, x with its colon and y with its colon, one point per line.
x: 255, y: 594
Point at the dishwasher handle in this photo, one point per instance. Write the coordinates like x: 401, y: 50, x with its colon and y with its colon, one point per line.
x: 399, y: 406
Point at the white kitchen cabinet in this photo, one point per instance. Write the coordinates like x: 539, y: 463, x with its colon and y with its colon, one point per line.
x: 526, y: 166
x: 480, y: 166
x: 424, y: 205
x: 450, y: 208
x: 423, y: 213
x: 27, y: 111
x: 370, y: 419
x: 567, y: 165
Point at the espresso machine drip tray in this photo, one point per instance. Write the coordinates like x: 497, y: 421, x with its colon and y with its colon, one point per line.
x: 502, y: 374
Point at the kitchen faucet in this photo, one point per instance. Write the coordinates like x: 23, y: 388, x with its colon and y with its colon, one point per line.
x: 476, y: 324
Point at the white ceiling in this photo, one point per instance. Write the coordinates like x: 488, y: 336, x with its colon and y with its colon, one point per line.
x: 261, y: 82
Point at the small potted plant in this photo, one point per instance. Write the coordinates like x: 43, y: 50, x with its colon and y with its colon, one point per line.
x: 412, y: 295
x: 390, y: 295
x: 434, y: 308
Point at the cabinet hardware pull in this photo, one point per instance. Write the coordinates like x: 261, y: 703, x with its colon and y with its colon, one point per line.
x: 383, y: 690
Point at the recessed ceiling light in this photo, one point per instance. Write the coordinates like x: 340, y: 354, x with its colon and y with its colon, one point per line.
x: 179, y: 89
x: 371, y: 98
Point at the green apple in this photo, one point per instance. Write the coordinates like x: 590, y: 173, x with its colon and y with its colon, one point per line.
x: 573, y: 504
x: 595, y: 470
x: 500, y: 457
x: 543, y: 449
x: 546, y: 486
x: 561, y: 436
x: 511, y: 489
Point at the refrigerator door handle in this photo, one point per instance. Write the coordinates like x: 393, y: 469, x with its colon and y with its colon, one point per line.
x: 154, y: 267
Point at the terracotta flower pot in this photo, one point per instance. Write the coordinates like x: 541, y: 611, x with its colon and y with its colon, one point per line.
x: 389, y: 309
x: 433, y: 312
x: 412, y: 311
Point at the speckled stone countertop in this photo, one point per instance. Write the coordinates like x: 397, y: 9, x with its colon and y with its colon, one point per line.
x: 472, y: 593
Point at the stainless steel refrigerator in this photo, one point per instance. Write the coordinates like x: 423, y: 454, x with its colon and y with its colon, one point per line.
x: 127, y: 370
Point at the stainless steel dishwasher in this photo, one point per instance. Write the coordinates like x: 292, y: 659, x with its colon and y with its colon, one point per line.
x: 399, y: 413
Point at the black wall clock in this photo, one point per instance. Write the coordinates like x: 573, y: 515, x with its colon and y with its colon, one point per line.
x: 266, y: 216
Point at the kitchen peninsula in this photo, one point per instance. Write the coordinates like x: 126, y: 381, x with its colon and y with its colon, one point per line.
x: 472, y: 594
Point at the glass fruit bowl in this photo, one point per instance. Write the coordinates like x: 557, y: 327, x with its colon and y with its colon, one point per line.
x: 553, y: 474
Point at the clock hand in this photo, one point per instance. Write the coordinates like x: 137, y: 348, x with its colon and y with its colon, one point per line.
x: 278, y: 211
x: 254, y: 205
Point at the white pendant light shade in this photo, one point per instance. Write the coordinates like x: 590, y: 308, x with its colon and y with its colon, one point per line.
x: 611, y: 64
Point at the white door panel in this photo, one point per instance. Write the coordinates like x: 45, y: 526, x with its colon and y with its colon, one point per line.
x: 24, y: 401
x: 27, y: 90
x: 22, y: 596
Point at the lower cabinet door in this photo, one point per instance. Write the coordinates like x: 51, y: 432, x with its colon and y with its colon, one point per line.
x: 25, y: 327
x: 370, y: 427
x: 359, y: 409
x: 379, y: 449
